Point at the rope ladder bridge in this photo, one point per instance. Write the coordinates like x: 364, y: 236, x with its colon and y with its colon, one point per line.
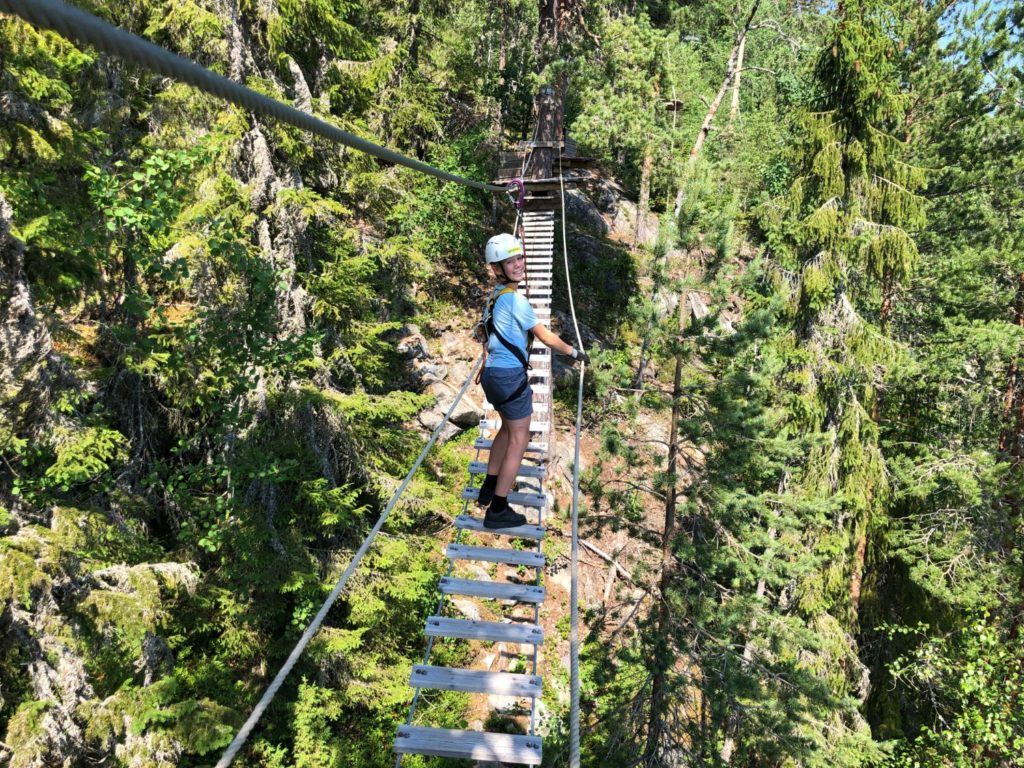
x: 538, y: 236
x: 521, y: 635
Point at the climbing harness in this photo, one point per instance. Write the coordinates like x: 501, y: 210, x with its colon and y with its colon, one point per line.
x: 483, y: 330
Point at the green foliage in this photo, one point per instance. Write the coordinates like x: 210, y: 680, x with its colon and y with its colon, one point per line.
x: 83, y: 457
x: 23, y: 732
x: 158, y: 712
x: 973, y: 681
x: 232, y: 416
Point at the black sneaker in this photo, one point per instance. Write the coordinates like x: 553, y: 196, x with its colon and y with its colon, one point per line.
x: 503, y: 518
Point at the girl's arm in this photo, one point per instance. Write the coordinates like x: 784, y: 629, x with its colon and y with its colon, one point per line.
x: 549, y: 339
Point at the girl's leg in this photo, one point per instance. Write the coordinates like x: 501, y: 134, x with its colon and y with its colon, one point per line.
x: 498, y: 449
x: 517, y: 437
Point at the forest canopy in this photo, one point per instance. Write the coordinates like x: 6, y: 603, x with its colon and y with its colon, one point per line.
x: 799, y: 268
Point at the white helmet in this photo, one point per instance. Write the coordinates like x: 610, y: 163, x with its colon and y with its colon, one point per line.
x: 501, y: 247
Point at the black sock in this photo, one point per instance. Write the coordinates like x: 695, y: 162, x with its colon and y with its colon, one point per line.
x: 490, y: 482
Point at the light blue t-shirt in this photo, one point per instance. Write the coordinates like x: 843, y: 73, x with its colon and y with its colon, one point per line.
x: 513, y: 317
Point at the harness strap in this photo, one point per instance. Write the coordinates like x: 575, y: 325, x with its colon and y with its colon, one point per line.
x: 491, y: 328
x: 516, y: 351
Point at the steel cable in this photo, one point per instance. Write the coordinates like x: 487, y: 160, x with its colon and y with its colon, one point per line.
x: 574, y: 633
x: 85, y: 28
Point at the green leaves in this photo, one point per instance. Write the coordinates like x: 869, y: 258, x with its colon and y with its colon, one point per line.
x: 973, y: 680
x: 82, y: 456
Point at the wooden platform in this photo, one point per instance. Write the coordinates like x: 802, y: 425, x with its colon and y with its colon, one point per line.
x: 491, y: 631
x: 468, y: 745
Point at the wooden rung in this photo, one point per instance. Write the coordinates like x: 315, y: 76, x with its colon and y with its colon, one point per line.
x: 480, y: 468
x: 523, y: 593
x: 492, y: 631
x: 469, y: 523
x: 468, y: 745
x: 535, y: 426
x: 483, y: 444
x: 528, y: 558
x: 475, y: 681
x: 534, y: 500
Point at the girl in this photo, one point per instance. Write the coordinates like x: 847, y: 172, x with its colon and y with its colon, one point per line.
x: 511, y: 326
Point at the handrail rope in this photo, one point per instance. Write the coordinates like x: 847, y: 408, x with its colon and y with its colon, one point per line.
x: 76, y: 24
x: 537, y: 581
x: 314, y: 625
x: 574, y: 634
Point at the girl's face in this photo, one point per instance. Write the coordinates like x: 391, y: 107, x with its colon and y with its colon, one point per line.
x: 515, y: 267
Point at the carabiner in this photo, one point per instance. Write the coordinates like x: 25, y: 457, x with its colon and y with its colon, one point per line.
x: 517, y: 193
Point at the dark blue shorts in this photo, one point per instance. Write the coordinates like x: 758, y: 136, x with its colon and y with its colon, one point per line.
x: 499, y: 383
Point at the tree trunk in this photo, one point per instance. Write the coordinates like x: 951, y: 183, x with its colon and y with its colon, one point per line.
x: 732, y: 723
x: 661, y: 661
x: 731, y: 71
x: 1011, y: 446
x: 547, y: 39
x: 644, y: 204
x: 549, y: 130
x: 734, y: 108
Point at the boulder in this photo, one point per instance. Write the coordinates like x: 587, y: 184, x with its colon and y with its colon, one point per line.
x: 607, y: 195
x: 466, y: 414
x: 467, y: 608
x: 582, y: 212
x: 412, y: 344
x: 625, y: 221
x: 427, y: 373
